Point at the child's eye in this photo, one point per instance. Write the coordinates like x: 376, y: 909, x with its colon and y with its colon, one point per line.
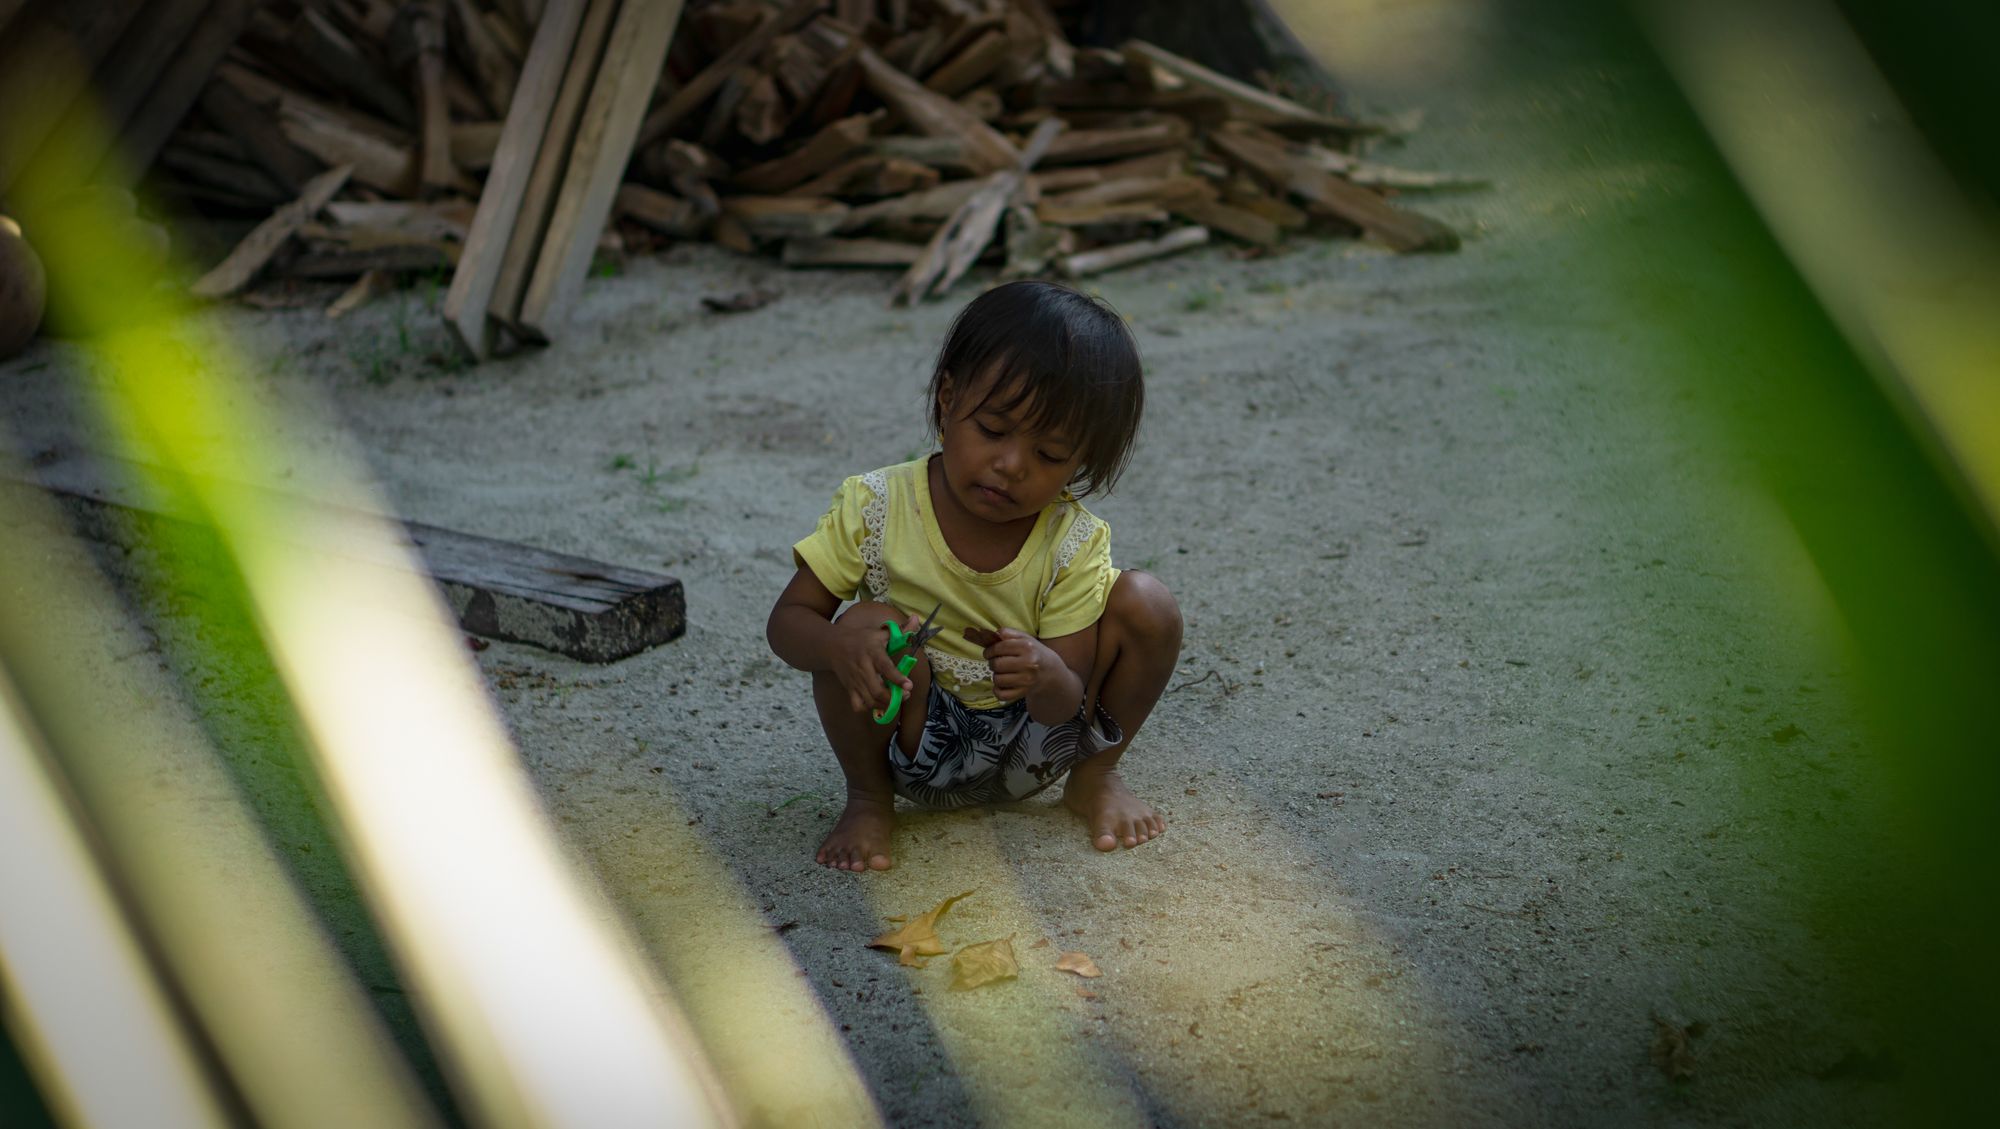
x: 988, y: 432
x: 1056, y: 460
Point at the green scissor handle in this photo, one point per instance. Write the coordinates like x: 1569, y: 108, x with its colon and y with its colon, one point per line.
x: 884, y: 717
x: 899, y: 640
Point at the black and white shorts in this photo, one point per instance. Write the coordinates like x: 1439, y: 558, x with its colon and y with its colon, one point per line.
x: 994, y: 756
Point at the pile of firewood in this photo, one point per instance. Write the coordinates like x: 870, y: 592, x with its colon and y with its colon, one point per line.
x: 509, y: 141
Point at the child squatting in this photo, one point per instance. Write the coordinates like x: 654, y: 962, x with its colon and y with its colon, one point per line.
x: 1049, y: 659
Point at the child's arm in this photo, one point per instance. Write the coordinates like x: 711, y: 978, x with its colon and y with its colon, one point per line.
x: 802, y: 631
x: 1049, y: 673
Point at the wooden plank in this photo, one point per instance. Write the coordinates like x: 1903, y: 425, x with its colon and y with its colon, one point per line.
x: 1217, y: 216
x: 337, y: 57
x: 472, y: 145
x: 1251, y: 104
x: 857, y: 14
x: 822, y: 152
x: 946, y: 154
x: 1057, y: 52
x: 406, y: 219
x: 670, y: 215
x: 808, y: 252
x: 937, y: 115
x: 1127, y: 188
x: 929, y: 204
x: 1064, y: 180
x: 690, y: 97
x: 785, y: 217
x: 223, y: 173
x: 1110, y: 258
x: 1242, y: 191
x: 242, y: 264
x: 1091, y: 215
x: 438, y: 161
x: 985, y: 104
x: 836, y: 95
x: 871, y: 177
x: 910, y: 54
x: 760, y: 117
x: 1030, y: 245
x: 1166, y: 162
x: 722, y: 112
x: 604, y: 140
x: 1083, y: 145
x: 963, y: 238
x: 503, y: 31
x: 490, y: 65
x: 472, y: 284
x: 259, y: 135
x: 538, y: 200
x: 969, y: 67
x: 370, y: 286
x: 1402, y: 230
x: 575, y: 606
x: 382, y: 156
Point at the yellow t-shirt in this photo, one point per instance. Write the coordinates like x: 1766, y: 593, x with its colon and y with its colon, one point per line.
x: 880, y: 541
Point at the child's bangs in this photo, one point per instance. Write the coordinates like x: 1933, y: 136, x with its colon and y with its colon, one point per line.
x: 1050, y: 402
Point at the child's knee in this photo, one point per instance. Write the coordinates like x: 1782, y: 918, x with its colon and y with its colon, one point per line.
x: 1145, y: 610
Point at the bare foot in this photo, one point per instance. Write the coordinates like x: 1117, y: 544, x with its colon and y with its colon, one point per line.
x: 1112, y: 812
x: 860, y: 840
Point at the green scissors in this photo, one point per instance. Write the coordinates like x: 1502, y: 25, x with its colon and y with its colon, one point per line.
x: 911, y: 643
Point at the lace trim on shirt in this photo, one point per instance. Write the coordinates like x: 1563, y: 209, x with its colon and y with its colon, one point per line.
x: 965, y: 672
x: 875, y: 515
x: 1072, y: 543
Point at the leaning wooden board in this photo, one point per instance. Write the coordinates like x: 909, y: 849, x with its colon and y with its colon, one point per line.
x: 574, y: 606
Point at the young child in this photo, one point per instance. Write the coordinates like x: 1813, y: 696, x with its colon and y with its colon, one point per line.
x: 1049, y: 659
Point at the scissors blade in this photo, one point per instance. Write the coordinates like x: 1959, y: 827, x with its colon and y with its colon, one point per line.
x: 925, y: 632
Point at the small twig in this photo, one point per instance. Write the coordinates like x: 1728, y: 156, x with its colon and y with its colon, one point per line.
x: 1212, y: 673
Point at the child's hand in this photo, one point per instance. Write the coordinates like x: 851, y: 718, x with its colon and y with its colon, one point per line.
x: 861, y: 662
x: 1020, y: 661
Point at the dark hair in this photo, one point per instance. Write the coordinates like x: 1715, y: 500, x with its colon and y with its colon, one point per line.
x: 1064, y: 355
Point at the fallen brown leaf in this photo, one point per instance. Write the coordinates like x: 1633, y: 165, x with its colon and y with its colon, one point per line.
x: 1671, y: 1050
x: 1040, y: 943
x: 918, y: 935
x: 1085, y: 993
x: 1080, y: 964
x: 908, y: 958
x: 984, y: 963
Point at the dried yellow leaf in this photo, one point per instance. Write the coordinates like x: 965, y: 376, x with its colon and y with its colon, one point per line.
x: 1080, y: 964
x: 908, y: 958
x: 984, y: 963
x: 918, y: 935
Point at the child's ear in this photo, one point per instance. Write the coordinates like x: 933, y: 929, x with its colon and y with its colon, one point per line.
x: 944, y: 397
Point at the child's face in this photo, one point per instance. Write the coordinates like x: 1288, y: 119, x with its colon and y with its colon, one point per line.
x: 995, y: 464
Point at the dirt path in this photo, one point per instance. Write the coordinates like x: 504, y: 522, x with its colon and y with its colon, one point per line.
x: 1511, y: 716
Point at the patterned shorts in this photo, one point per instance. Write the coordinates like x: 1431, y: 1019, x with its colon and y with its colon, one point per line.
x: 994, y: 756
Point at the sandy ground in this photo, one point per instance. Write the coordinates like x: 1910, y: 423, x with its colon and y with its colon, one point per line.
x: 1511, y: 715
